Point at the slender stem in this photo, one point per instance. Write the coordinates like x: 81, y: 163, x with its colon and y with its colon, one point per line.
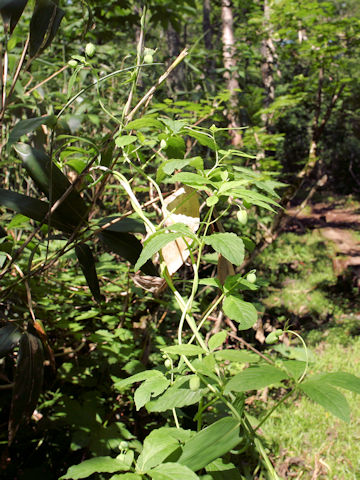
x: 263, y: 420
x: 306, y: 355
x: 4, y: 74
x: 153, y: 89
x: 19, y: 66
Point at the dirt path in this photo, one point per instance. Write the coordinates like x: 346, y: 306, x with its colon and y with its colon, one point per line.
x: 339, y: 224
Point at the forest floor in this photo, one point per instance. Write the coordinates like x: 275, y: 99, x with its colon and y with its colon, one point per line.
x: 338, y: 223
x: 319, y: 279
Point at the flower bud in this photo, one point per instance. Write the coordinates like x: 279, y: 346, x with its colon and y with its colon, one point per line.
x: 90, y: 49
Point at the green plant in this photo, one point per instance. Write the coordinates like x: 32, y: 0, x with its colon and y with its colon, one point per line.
x: 204, y: 383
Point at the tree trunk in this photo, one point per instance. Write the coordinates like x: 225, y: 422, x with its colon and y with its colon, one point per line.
x: 208, y: 41
x: 230, y: 75
x: 175, y: 81
x: 267, y: 67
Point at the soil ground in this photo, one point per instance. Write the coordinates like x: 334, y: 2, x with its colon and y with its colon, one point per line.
x: 337, y: 223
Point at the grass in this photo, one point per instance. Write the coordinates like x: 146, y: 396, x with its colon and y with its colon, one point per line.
x: 305, y: 441
x: 310, y: 443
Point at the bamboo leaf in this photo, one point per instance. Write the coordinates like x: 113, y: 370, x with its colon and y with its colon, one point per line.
x: 50, y: 180
x: 9, y: 338
x: 27, y: 383
x: 128, y: 247
x: 11, y: 11
x: 87, y: 264
x: 28, y: 125
x: 32, y: 208
x: 44, y: 25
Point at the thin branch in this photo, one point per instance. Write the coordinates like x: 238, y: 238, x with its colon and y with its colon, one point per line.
x: 147, y: 97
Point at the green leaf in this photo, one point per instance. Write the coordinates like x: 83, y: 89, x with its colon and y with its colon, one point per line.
x: 210, y: 443
x: 95, y: 465
x: 50, y: 179
x: 9, y: 338
x: 158, y: 445
x: 152, y: 387
x: 122, y: 225
x: 341, y: 379
x: 213, y: 200
x: 174, y: 125
x: 219, y: 470
x: 44, y: 24
x: 138, y: 377
x: 27, y: 383
x: 29, y: 125
x: 240, y: 311
x: 126, y: 476
x: 238, y: 283
x: 174, y: 398
x: 154, y: 244
x: 145, y: 122
x: 191, y: 179
x: 175, y: 147
x: 87, y: 264
x: 328, y: 397
x: 178, y: 163
x: 255, y: 378
x: 124, y: 140
x: 11, y: 11
x: 217, y: 340
x: 229, y: 245
x: 239, y: 356
x: 128, y: 247
x: 185, y: 349
x: 203, y: 138
x: 210, y: 282
x: 172, y: 471
x: 32, y: 208
x: 294, y: 367
x: 168, y: 167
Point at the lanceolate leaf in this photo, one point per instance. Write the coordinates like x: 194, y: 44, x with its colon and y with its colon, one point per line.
x: 28, y: 125
x: 158, y: 445
x: 28, y: 382
x: 11, y: 11
x: 32, y: 208
x: 174, y: 398
x: 341, y: 379
x: 229, y: 245
x: 95, y: 465
x: 255, y: 378
x: 44, y: 25
x: 50, y: 179
x: 185, y: 349
x: 122, y: 225
x: 328, y: 397
x: 128, y: 247
x: 9, y: 338
x: 87, y: 264
x: 219, y: 470
x: 172, y: 471
x: 211, y: 443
